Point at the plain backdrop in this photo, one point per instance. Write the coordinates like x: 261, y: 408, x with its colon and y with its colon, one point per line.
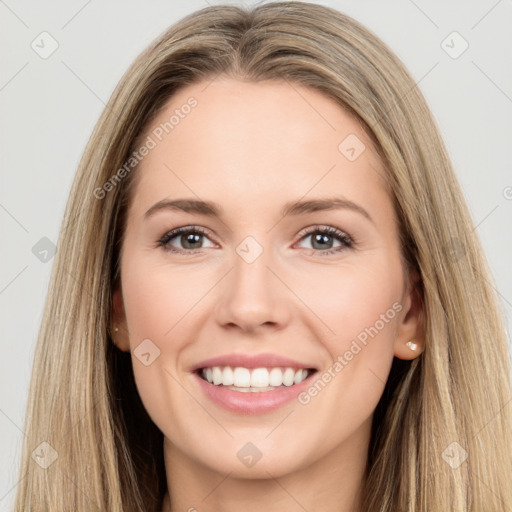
x: 50, y: 103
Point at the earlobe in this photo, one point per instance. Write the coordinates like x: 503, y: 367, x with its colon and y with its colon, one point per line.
x: 409, y: 350
x: 410, y: 342
x: 412, y: 346
x: 118, y: 328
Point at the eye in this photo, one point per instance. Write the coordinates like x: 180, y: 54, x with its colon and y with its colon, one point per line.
x: 323, y: 238
x: 190, y: 237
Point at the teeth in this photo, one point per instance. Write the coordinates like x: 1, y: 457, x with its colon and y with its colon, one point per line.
x: 289, y: 377
x: 257, y: 379
x: 216, y: 375
x: 227, y: 376
x: 276, y: 377
x: 260, y: 378
x: 242, y: 378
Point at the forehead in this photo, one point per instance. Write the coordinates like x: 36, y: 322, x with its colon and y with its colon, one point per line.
x: 243, y: 142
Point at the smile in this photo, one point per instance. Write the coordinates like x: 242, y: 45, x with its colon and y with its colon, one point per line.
x: 252, y: 391
x: 254, y: 379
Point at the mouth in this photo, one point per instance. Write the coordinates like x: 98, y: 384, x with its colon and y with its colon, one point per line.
x: 254, y: 380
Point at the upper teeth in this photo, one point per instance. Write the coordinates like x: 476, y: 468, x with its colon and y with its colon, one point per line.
x: 256, y: 378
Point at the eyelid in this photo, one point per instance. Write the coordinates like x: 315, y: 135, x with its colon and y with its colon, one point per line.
x: 164, y: 240
x: 346, y: 240
x: 322, y: 227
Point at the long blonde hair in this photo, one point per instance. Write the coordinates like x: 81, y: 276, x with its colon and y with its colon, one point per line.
x: 83, y: 400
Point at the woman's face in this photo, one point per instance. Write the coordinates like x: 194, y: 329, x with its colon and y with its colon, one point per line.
x: 321, y: 286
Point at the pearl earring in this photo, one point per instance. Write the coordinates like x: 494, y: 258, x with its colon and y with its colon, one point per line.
x: 412, y: 345
x: 116, y: 329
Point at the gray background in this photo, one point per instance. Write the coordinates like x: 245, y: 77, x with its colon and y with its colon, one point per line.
x: 49, y: 107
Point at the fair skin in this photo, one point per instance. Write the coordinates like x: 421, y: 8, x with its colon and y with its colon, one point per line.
x: 251, y: 148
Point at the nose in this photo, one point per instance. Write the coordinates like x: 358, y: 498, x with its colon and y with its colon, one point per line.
x: 253, y: 295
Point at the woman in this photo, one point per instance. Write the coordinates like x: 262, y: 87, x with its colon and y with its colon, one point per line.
x: 195, y: 355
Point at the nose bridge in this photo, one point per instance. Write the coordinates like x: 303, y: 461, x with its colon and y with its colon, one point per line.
x: 252, y: 294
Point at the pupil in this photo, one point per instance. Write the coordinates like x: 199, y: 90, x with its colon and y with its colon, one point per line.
x: 322, y: 238
x: 191, y: 238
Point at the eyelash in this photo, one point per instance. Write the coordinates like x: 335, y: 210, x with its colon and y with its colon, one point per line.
x: 346, y: 241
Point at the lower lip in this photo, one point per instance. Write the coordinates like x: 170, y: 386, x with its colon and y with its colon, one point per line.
x: 252, y: 402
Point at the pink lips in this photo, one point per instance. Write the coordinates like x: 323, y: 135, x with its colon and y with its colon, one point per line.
x: 251, y: 403
x: 251, y: 361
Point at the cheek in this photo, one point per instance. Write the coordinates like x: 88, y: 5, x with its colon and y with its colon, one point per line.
x: 159, y: 299
x: 361, y: 308
x: 352, y: 297
x: 164, y: 304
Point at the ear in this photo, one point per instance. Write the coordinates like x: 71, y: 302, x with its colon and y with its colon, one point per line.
x: 119, y: 337
x: 411, y: 327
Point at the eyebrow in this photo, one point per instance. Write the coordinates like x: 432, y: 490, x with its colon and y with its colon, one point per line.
x: 293, y: 208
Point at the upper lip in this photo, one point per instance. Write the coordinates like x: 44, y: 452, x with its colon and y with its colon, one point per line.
x: 266, y: 360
